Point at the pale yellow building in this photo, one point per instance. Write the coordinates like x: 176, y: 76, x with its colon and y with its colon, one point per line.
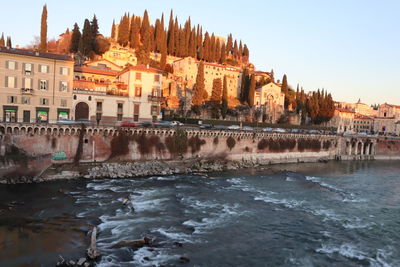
x: 120, y: 56
x: 270, y: 98
x: 186, y: 68
x: 35, y: 86
x: 364, y: 109
x: 134, y: 95
x: 343, y: 120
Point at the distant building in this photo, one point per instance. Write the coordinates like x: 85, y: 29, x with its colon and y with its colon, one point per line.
x: 270, y: 98
x: 35, y: 86
x: 364, y: 109
x: 120, y: 56
x: 363, y: 123
x: 343, y: 120
x: 186, y: 68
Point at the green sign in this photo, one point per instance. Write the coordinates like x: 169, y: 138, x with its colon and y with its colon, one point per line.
x: 60, y: 155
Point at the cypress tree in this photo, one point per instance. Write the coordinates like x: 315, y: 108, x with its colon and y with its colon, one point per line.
x: 2, y: 41
x: 235, y: 50
x: 223, y: 54
x: 158, y: 36
x: 229, y: 45
x: 252, y: 90
x: 246, y: 54
x: 176, y: 32
x: 143, y: 54
x: 9, y: 44
x: 171, y: 34
x: 43, y: 30
x: 76, y: 36
x: 134, y: 35
x: 240, y: 49
x: 113, y: 30
x: 284, y: 87
x: 192, y: 43
x: 224, y: 106
x: 217, y: 53
x: 206, y: 47
x: 95, y: 26
x: 212, y: 48
x: 199, y: 91
x: 216, y: 98
x: 216, y: 92
x: 163, y: 60
x: 123, y: 31
x: 86, y: 43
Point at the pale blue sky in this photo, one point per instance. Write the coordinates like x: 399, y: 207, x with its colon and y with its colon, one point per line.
x: 349, y: 47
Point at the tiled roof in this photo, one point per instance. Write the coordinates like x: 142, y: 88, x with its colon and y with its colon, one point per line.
x: 361, y: 116
x: 142, y: 68
x: 31, y: 53
x: 95, y: 71
x: 344, y: 110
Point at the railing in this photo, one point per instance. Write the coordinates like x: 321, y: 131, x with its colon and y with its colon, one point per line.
x: 153, y: 98
x: 26, y: 91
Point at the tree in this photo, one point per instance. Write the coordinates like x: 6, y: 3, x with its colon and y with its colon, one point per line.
x: 206, y: 47
x: 123, y: 31
x: 245, y: 86
x: 199, y: 89
x: 171, y: 34
x: 113, y: 30
x: 86, y: 42
x: 163, y: 60
x: 252, y: 90
x: 43, y: 30
x: 216, y: 90
x: 246, y: 54
x: 224, y: 106
x: 134, y: 35
x: 2, y: 41
x: 101, y: 45
x: 76, y: 37
x: 143, y: 54
x: 223, y: 54
x: 9, y: 44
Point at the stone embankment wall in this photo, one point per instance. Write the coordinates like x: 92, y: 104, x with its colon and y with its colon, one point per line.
x: 35, y: 147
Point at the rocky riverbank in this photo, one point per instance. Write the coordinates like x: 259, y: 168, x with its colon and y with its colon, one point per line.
x: 121, y: 170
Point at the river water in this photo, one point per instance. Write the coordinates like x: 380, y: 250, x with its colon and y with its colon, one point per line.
x: 336, y: 213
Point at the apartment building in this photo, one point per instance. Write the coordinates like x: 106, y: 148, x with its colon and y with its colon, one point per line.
x: 363, y: 123
x: 35, y: 86
x: 108, y: 98
x: 343, y: 120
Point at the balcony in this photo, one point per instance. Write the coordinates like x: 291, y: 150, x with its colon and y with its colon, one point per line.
x: 152, y: 98
x: 26, y: 91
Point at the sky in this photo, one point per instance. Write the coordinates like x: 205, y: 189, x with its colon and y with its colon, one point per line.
x: 349, y: 47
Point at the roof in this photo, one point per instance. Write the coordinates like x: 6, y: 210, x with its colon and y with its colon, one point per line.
x: 142, y: 68
x: 344, y: 110
x: 95, y: 71
x: 103, y: 59
x: 32, y: 53
x: 231, y: 68
x: 261, y: 72
x: 361, y: 116
x: 395, y: 106
x: 277, y: 84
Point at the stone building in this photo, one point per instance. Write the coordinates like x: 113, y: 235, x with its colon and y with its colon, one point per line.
x: 186, y: 68
x: 35, y: 86
x: 363, y: 123
x: 271, y: 100
x: 364, y: 109
x: 343, y: 120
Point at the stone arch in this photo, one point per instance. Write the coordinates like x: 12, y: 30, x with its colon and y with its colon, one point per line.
x: 82, y: 111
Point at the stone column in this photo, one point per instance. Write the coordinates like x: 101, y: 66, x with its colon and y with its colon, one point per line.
x: 362, y: 148
x: 356, y: 149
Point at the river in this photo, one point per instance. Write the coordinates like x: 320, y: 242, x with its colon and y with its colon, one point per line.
x: 317, y: 214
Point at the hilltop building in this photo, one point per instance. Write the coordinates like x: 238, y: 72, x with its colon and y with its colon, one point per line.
x: 35, y: 86
x: 270, y: 98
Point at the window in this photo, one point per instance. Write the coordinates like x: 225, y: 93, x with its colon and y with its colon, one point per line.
x: 138, y: 76
x: 43, y: 85
x: 99, y: 106
x: 44, y: 101
x: 90, y: 98
x: 11, y: 99
x: 136, y: 112
x: 63, y: 102
x: 63, y: 86
x: 28, y: 68
x: 10, y: 115
x: 74, y: 97
x: 11, y: 82
x: 154, y: 110
x: 64, y: 71
x: 43, y: 68
x: 155, y: 92
x: 27, y: 83
x: 11, y: 65
x: 156, y: 78
x: 119, y: 111
x: 138, y: 91
x: 25, y: 100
